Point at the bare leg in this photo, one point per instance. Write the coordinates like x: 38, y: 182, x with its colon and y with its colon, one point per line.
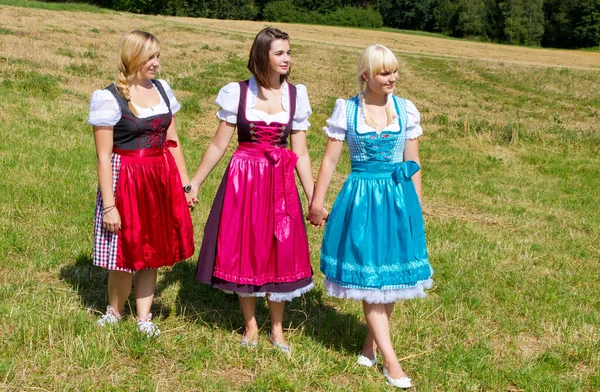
x: 145, y: 283
x: 378, y: 322
x: 248, y: 305
x: 119, y: 288
x: 389, y: 309
x: 276, y: 310
x: 369, y: 349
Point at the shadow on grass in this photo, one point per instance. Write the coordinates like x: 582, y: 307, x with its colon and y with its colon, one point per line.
x: 205, y: 305
x: 308, y: 315
x: 200, y: 303
x: 91, y: 283
x: 333, y: 329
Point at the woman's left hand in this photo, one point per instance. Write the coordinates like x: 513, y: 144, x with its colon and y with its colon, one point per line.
x: 192, y: 197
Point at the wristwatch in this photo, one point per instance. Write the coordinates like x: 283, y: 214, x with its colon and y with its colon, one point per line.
x: 187, y: 188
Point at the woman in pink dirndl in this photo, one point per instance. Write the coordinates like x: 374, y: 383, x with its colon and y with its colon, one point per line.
x: 142, y: 221
x: 255, y: 241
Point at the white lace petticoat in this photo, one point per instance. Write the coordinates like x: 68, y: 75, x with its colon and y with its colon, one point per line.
x: 376, y: 296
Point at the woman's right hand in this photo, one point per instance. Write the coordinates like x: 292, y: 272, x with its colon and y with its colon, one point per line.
x: 111, y: 221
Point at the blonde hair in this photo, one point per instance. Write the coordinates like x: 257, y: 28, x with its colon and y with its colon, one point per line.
x: 135, y: 49
x: 373, y: 60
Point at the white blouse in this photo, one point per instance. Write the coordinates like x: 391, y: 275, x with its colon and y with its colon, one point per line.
x: 105, y: 110
x: 229, y: 98
x: 337, y: 125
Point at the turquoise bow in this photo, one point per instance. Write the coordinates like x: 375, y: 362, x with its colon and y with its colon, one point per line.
x: 405, y: 170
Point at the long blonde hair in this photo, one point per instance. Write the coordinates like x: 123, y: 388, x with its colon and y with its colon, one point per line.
x: 373, y: 60
x: 135, y: 48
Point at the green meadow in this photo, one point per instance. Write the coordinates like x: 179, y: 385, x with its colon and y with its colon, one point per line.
x: 511, y: 183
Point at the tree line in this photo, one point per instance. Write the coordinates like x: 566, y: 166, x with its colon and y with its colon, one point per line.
x: 547, y: 23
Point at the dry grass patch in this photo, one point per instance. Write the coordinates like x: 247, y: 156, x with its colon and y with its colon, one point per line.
x: 412, y: 44
x: 445, y: 211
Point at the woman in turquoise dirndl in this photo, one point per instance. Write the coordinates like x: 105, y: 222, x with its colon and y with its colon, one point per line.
x: 374, y: 247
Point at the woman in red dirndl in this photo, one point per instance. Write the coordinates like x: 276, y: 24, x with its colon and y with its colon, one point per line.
x: 142, y: 221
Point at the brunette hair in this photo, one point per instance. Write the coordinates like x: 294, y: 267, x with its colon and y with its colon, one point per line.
x: 135, y: 48
x: 373, y: 60
x: 258, y: 62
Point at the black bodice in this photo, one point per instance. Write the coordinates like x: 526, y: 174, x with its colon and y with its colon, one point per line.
x: 134, y: 133
x: 258, y: 131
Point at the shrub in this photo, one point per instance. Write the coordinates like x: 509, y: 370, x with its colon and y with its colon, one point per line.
x: 285, y: 11
x: 280, y: 11
x: 355, y: 17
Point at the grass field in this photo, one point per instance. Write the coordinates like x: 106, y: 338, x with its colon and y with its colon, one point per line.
x: 511, y: 178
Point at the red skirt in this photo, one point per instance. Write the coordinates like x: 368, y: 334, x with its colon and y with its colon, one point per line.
x: 156, y: 226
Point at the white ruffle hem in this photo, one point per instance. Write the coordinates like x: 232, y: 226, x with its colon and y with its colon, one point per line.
x: 376, y: 296
x: 276, y: 297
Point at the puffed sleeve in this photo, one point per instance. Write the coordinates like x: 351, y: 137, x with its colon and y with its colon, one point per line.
x: 104, y: 109
x: 303, y: 111
x: 337, y: 124
x: 173, y: 102
x: 413, y: 128
x: 228, y: 99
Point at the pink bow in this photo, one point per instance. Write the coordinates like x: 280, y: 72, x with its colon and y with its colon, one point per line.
x: 286, y: 198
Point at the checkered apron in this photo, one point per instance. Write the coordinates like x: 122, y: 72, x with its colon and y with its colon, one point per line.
x: 105, y: 242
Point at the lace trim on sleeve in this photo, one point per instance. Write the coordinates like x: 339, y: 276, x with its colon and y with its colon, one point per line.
x: 228, y: 99
x: 104, y: 109
x: 303, y: 110
x: 337, y: 124
x: 413, y: 128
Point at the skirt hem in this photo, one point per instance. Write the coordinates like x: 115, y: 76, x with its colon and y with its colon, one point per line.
x: 377, y: 296
x: 259, y: 282
x: 276, y: 297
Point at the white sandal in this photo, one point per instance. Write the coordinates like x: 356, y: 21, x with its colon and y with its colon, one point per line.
x: 284, y: 348
x: 402, y: 382
x: 249, y: 343
x: 110, y: 317
x: 365, y: 361
x: 147, y: 327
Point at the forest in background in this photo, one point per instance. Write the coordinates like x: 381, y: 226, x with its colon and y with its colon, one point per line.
x: 546, y: 23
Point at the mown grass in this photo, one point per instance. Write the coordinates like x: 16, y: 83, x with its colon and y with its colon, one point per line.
x: 511, y: 184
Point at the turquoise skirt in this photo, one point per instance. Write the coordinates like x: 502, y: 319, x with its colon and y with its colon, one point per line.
x: 375, y: 234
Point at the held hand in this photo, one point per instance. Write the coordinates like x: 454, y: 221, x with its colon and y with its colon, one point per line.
x: 111, y: 221
x: 190, y: 200
x: 192, y: 197
x: 326, y: 216
x: 317, y: 217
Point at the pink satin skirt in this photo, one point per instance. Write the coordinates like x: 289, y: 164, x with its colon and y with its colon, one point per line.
x: 262, y: 237
x: 156, y: 226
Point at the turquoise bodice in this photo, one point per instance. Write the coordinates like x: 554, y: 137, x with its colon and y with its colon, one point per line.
x: 386, y: 146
